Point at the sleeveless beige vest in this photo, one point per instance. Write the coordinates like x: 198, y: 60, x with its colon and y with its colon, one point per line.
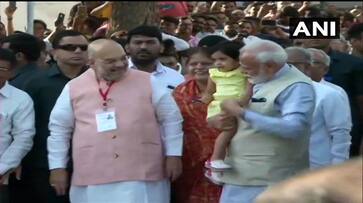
x: 260, y: 158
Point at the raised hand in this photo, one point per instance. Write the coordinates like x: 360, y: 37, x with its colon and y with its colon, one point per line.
x: 9, y: 11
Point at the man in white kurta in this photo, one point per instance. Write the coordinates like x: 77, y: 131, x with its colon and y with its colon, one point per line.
x: 330, y: 139
x: 62, y: 123
x: 17, y: 124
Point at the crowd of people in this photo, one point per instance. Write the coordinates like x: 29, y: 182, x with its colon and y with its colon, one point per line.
x: 216, y: 104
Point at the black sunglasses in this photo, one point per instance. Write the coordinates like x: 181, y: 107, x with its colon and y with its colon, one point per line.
x: 73, y: 47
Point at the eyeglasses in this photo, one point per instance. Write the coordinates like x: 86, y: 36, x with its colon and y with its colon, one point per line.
x: 73, y: 47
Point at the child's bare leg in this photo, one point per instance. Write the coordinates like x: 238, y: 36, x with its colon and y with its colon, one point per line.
x: 222, y: 142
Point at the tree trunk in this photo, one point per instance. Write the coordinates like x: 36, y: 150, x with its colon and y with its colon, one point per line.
x: 128, y: 15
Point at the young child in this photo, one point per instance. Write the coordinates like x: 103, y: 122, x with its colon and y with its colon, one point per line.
x: 226, y: 82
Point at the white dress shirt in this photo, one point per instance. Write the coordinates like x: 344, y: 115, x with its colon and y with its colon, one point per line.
x: 170, y: 77
x: 61, y: 126
x: 330, y: 130
x: 341, y: 91
x: 17, y: 126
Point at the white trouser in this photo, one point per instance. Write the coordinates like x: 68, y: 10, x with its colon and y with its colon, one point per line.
x: 123, y: 192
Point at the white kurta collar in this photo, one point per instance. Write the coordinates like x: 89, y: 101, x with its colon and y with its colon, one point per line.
x: 5, y: 91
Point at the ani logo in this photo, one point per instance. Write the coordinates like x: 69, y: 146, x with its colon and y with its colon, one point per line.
x: 314, y: 28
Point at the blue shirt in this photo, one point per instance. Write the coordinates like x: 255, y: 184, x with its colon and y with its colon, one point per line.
x: 296, y: 105
x: 330, y: 138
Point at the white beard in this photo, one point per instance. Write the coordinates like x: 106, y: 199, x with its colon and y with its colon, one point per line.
x: 257, y: 80
x: 260, y: 78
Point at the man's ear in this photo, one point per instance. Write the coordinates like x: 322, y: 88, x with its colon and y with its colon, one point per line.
x: 91, y: 61
x: 127, y: 49
x: 162, y: 48
x: 53, y: 53
x: 20, y: 56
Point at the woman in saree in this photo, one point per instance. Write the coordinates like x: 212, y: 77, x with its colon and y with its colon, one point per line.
x: 192, y: 186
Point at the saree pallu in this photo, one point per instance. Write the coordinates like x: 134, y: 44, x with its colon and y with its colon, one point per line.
x: 192, y: 186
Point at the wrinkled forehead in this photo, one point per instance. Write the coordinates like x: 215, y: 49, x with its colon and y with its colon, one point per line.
x: 111, y: 53
x: 106, y: 50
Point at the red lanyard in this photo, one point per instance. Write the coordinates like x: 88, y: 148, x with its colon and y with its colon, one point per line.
x: 104, y: 94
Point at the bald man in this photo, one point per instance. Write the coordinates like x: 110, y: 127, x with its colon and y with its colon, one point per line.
x: 113, y: 115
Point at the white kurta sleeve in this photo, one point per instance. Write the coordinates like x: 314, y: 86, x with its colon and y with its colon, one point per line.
x: 22, y: 132
x: 337, y: 117
x: 169, y: 118
x: 61, y: 125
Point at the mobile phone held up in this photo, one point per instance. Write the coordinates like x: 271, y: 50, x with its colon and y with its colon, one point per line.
x: 60, y: 19
x: 12, y: 4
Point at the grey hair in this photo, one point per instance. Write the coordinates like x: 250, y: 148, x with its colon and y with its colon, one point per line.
x: 266, y: 51
x: 326, y: 58
x: 304, y: 52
